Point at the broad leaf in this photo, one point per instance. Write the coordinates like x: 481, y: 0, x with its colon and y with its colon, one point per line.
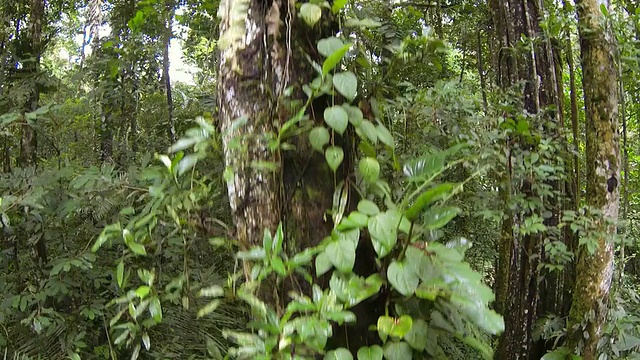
x: 385, y: 136
x: 355, y: 114
x: 368, y: 207
x: 403, y: 278
x: 422, y: 168
x: 310, y: 13
x: 417, y: 336
x: 334, y: 156
x: 426, y: 198
x: 323, y: 264
x: 339, y: 354
x: 368, y: 131
x: 342, y: 254
x: 370, y: 353
x: 397, y: 351
x: 383, y: 230
x: 394, y: 327
x: 438, y: 217
x: 346, y: 83
x: 334, y: 59
x: 337, y: 118
x: 370, y: 169
x: 329, y: 45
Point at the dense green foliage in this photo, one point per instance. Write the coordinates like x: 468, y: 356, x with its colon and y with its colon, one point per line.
x: 116, y: 235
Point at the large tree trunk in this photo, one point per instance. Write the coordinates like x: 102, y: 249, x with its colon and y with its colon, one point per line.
x: 518, y: 283
x: 594, y: 271
x: 297, y: 190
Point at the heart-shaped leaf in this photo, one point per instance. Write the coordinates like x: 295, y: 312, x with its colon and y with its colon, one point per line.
x: 338, y: 354
x: 310, y: 13
x: 403, y: 278
x: 383, y: 230
x: 398, y: 351
x: 346, y: 83
x: 370, y: 353
x: 334, y: 156
x: 355, y: 114
x: 329, y: 45
x: 319, y: 137
x: 337, y: 118
x: 368, y: 207
x: 397, y: 328
x: 342, y: 254
x: 417, y: 336
x: 370, y: 169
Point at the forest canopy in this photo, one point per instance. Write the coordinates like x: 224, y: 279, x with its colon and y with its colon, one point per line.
x: 342, y: 179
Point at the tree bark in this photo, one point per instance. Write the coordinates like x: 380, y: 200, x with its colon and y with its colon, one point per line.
x: 165, y: 67
x: 518, y: 283
x: 595, y: 271
x: 298, y: 187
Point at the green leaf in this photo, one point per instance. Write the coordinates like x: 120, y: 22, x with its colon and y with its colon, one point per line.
x: 355, y: 114
x: 368, y: 207
x: 370, y: 169
x: 278, y: 240
x: 359, y: 219
x: 334, y: 156
x: 187, y: 163
x: 338, y: 5
x: 334, y: 59
x: 137, y: 248
x: 368, y: 131
x: 438, y: 217
x: 278, y: 266
x: 370, y: 353
x: 209, y: 308
x: 417, y: 336
x: 155, y: 309
x: 338, y: 354
x: 310, y: 13
x: 396, y: 328
x: 337, y: 118
x: 385, y: 136
x: 423, y: 167
x: 342, y: 254
x: 323, y: 264
x: 319, y: 137
x: 383, y: 230
x: 403, y: 278
x: 120, y: 273
x: 426, y: 198
x: 397, y: 351
x: 329, y: 45
x: 346, y: 83
x: 142, y: 291
x: 211, y: 291
x: 146, y: 341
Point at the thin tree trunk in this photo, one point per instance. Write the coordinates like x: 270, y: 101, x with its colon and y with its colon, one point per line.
x: 165, y: 68
x: 594, y: 271
x: 483, y: 81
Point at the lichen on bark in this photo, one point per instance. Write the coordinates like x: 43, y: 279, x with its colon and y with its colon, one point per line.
x: 594, y: 271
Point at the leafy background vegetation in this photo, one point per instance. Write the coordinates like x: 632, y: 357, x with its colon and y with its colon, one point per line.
x: 457, y: 211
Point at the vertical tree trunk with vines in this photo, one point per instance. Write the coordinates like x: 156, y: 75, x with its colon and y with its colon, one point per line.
x: 595, y: 270
x: 532, y: 63
x: 297, y: 188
